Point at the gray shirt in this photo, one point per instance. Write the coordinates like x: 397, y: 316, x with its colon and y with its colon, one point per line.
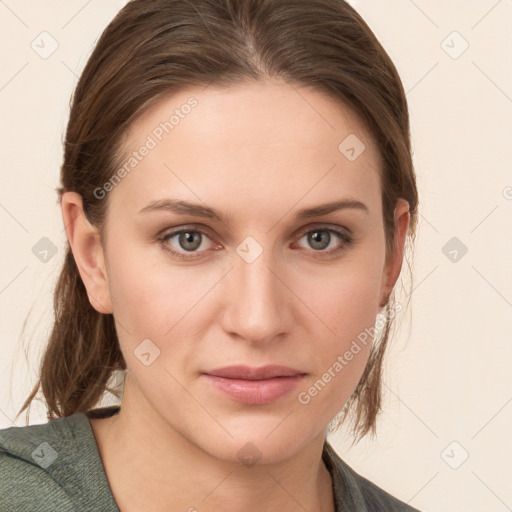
x: 56, y: 467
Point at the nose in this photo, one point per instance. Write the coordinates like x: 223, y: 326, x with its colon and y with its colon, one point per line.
x: 258, y: 307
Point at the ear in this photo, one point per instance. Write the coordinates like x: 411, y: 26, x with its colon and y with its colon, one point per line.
x: 84, y: 241
x: 393, y: 264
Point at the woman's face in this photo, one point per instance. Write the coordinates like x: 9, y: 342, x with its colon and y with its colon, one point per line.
x: 257, y: 284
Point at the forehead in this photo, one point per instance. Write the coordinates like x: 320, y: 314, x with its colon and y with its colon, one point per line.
x: 250, y: 142
x: 274, y: 108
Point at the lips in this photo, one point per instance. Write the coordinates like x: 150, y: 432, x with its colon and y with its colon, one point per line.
x: 254, y: 373
x: 254, y: 386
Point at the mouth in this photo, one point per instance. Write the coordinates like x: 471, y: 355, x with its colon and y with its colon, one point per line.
x: 254, y: 373
x: 255, y: 386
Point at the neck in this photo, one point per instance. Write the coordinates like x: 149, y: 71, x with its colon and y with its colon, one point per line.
x: 151, y: 464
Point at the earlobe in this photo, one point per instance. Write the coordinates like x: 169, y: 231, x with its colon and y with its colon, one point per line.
x: 394, y: 263
x: 84, y: 241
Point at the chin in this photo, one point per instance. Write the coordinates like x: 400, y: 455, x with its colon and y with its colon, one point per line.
x: 256, y: 446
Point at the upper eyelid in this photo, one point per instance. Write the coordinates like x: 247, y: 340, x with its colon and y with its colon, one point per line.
x: 206, y: 231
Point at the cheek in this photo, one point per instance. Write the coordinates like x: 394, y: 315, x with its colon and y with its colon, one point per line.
x: 344, y: 298
x: 155, y: 299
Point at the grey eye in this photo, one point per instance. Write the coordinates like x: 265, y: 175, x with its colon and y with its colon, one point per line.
x: 319, y: 239
x: 190, y: 240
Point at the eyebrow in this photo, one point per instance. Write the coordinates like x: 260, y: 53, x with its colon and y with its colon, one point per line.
x: 197, y: 210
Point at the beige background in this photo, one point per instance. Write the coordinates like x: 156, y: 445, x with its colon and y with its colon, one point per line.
x: 449, y: 378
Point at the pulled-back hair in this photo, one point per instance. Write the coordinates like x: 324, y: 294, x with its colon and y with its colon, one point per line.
x: 154, y: 48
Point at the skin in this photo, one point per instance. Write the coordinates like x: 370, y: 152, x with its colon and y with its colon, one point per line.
x: 258, y: 153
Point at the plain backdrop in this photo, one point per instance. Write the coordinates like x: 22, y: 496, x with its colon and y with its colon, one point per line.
x: 444, y: 437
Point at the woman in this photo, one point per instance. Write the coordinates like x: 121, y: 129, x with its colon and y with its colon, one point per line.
x: 237, y: 191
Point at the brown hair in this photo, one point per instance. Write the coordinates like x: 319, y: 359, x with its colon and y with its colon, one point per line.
x: 152, y: 49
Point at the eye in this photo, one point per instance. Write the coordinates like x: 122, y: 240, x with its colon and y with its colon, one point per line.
x: 322, y: 238
x: 187, y: 242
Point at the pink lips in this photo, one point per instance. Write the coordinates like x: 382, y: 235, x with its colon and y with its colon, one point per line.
x: 255, y: 386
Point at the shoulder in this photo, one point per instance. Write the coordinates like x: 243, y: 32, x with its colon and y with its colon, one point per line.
x: 356, y: 492
x: 25, y: 456
x: 378, y: 499
x: 54, y: 467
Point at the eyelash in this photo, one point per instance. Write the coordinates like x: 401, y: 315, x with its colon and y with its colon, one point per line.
x: 346, y: 239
